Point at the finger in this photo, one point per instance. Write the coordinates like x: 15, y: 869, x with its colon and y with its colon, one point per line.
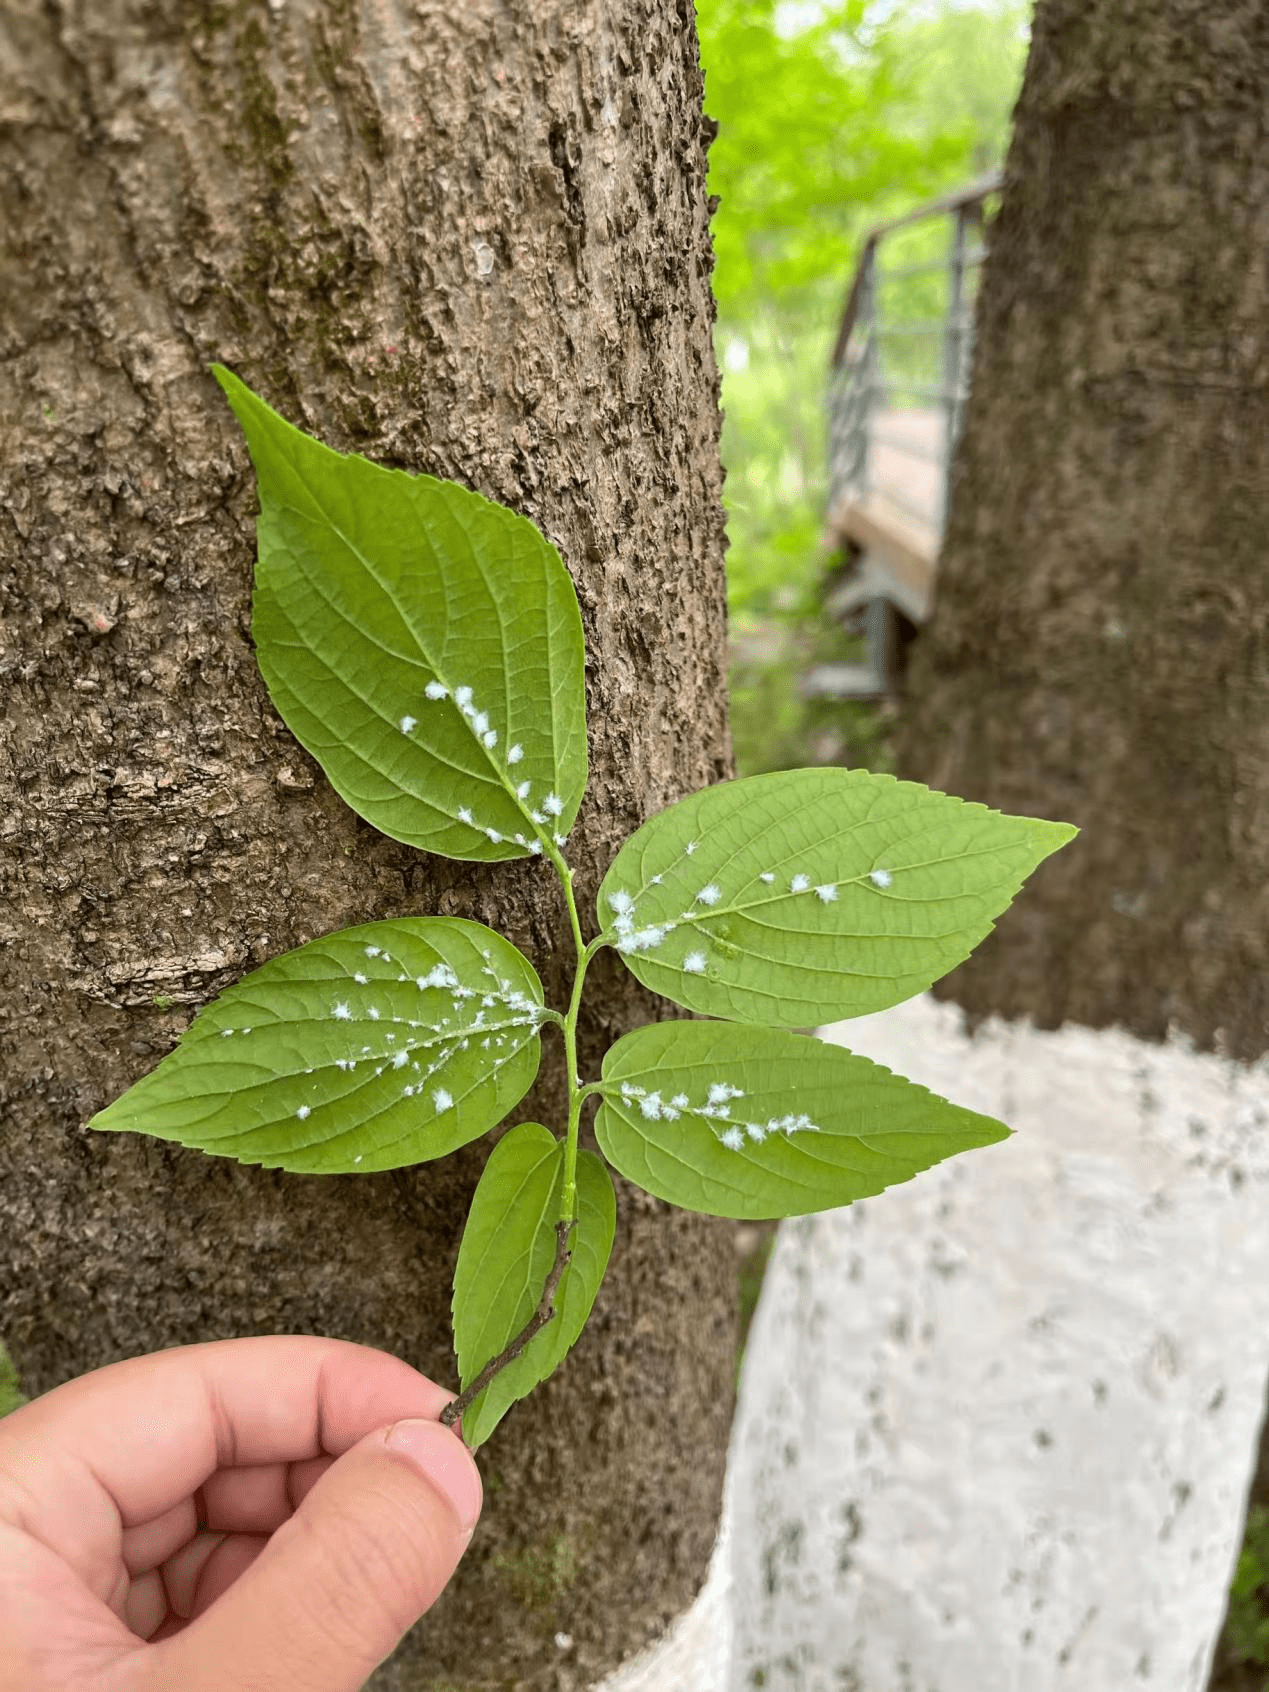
x: 183, y: 1571
x: 146, y: 1604
x: 152, y: 1543
x: 305, y: 1476
x: 120, y: 1447
x: 52, y: 1631
x: 258, y: 1499
x: 254, y: 1500
x: 230, y: 1559
x: 370, y: 1549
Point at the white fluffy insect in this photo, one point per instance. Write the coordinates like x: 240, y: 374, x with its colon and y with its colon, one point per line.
x: 515, y: 753
x: 694, y: 963
x: 880, y: 877
x: 341, y: 1013
x: 407, y: 723
x: 710, y: 894
x: 799, y: 884
x: 436, y: 690
x: 826, y: 893
x: 302, y: 1112
x: 442, y: 1100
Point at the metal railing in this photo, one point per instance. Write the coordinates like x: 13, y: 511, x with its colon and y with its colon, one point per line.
x: 898, y: 383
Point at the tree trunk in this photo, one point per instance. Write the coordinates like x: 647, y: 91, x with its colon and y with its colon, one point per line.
x: 468, y: 240
x: 1100, y: 648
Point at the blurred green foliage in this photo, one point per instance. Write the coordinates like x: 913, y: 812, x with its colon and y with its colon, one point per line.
x: 831, y: 117
x: 10, y: 1391
x: 1245, y: 1641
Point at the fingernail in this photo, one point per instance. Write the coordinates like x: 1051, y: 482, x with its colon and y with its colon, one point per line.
x: 445, y: 1461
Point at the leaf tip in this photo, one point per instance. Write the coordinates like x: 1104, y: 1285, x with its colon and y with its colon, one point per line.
x: 229, y: 384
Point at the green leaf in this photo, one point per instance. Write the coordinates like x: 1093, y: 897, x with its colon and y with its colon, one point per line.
x: 812, y: 895
x: 506, y: 1256
x: 755, y: 1122
x: 374, y: 1047
x: 423, y: 643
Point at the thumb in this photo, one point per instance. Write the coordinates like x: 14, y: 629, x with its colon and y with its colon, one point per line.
x: 370, y: 1548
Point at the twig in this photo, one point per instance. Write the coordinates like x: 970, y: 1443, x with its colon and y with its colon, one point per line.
x: 544, y: 1313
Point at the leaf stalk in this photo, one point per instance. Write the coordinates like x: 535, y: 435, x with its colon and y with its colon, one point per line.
x: 544, y: 1313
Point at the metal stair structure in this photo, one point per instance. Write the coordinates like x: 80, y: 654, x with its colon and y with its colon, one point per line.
x: 898, y: 381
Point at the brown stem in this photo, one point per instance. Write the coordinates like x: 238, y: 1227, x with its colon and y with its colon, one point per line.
x: 544, y: 1313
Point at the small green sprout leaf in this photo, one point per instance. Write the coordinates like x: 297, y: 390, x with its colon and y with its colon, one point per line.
x: 506, y: 1256
x: 423, y: 643
x: 756, y: 1122
x: 812, y: 895
x: 372, y: 1048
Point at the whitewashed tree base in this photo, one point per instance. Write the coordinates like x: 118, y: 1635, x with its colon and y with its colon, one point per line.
x: 996, y: 1426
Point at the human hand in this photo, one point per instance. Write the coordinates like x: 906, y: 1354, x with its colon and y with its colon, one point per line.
x: 254, y: 1515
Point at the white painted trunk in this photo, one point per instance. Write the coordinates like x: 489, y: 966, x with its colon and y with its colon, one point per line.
x: 996, y: 1426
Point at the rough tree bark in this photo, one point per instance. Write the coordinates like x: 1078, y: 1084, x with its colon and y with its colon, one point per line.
x: 470, y: 240
x: 1100, y: 649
